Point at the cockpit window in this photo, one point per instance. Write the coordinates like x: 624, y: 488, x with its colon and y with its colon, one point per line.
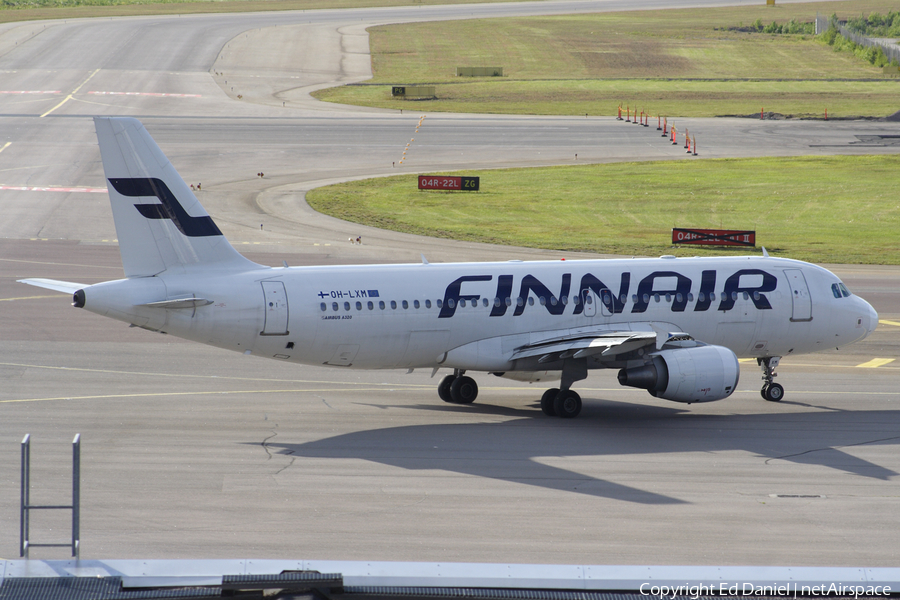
x: 840, y: 290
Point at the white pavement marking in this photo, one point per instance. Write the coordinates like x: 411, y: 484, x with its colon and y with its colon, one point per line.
x: 28, y: 188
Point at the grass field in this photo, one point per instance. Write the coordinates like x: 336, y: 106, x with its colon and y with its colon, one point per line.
x: 676, y: 62
x: 809, y: 208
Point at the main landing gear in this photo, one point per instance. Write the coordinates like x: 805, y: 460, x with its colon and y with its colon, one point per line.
x: 562, y: 401
x: 770, y: 391
x: 458, y: 388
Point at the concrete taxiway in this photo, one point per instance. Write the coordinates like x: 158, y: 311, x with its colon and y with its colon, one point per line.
x: 194, y: 452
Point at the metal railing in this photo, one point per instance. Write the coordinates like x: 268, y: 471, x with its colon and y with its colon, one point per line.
x: 892, y: 51
x: 26, y: 507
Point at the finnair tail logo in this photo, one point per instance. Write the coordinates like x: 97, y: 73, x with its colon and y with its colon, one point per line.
x: 169, y: 209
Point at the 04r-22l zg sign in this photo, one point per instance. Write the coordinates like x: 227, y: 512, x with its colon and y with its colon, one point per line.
x: 441, y: 182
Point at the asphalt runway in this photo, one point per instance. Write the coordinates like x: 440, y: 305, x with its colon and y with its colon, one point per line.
x: 194, y: 452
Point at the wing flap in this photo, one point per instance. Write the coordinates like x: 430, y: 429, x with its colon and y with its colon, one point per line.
x: 583, y: 345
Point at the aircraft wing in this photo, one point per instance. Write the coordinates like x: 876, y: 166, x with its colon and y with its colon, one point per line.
x: 66, y: 287
x: 586, y: 344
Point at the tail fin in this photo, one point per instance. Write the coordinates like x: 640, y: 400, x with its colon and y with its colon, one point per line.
x: 159, y: 222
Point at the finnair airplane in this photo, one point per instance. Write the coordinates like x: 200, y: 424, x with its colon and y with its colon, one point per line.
x: 672, y: 326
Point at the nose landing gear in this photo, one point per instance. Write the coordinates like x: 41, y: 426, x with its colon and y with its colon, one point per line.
x: 770, y: 391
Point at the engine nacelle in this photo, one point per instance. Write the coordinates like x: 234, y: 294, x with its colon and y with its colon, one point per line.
x: 700, y: 374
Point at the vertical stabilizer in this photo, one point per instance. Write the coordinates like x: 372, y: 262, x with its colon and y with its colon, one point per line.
x: 159, y: 222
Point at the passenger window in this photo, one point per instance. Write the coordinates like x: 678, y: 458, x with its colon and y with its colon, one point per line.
x: 439, y: 303
x: 405, y: 304
x: 520, y: 301
x: 394, y: 304
x: 334, y: 306
x: 346, y: 306
x: 451, y: 303
x: 543, y: 301
x: 530, y: 301
x: 415, y: 303
x: 369, y: 305
x: 485, y: 302
x: 565, y: 300
x: 428, y: 304
x: 359, y: 305
x: 323, y: 306
x: 381, y: 304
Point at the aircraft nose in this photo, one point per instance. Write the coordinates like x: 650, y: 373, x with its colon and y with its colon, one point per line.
x: 873, y: 320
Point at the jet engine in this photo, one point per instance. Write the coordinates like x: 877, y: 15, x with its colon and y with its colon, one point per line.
x: 699, y: 374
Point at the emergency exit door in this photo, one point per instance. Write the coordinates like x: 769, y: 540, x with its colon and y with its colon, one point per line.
x: 276, y: 308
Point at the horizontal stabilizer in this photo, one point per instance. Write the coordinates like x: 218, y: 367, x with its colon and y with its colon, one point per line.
x: 66, y: 287
x: 179, y: 303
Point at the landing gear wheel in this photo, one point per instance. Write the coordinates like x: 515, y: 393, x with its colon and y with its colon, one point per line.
x: 547, y: 401
x: 444, y: 388
x: 567, y: 405
x: 774, y: 392
x: 770, y: 391
x: 463, y: 390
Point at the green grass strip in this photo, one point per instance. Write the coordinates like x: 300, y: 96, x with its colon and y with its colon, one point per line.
x: 819, y: 209
x: 690, y: 62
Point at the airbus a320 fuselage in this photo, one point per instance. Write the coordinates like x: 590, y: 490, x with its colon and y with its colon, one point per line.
x: 672, y: 326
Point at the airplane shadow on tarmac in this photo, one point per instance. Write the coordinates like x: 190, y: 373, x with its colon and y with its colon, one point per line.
x: 511, y: 450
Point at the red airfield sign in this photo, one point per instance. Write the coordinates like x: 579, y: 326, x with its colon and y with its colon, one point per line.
x: 714, y: 237
x: 443, y: 182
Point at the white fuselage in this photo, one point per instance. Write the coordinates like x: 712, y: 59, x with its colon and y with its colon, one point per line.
x: 475, y: 315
